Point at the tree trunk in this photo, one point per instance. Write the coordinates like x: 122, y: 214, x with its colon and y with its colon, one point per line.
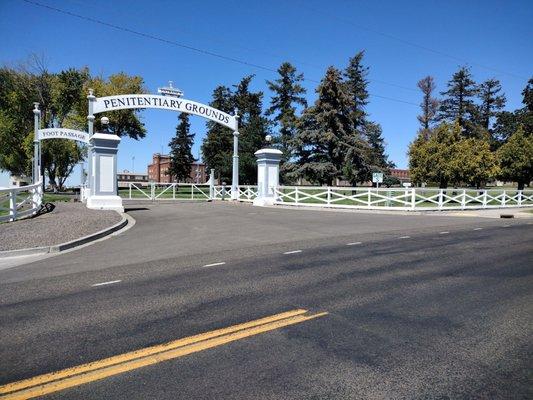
x: 521, y: 185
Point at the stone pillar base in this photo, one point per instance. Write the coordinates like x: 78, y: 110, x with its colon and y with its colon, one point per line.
x: 105, y: 203
x: 263, y: 201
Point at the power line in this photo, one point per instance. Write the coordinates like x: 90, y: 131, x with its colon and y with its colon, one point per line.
x: 412, y: 44
x: 195, y: 49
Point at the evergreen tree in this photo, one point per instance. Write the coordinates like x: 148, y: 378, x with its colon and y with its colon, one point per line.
x: 253, y: 127
x: 429, y: 104
x: 325, y: 140
x: 378, y: 160
x: 217, y: 147
x: 507, y: 123
x: 458, y: 103
x: 491, y: 102
x: 181, y: 156
x: 288, y: 93
x: 356, y: 83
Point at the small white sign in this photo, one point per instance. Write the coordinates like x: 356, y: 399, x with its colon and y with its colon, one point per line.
x: 377, y: 177
x: 63, y: 133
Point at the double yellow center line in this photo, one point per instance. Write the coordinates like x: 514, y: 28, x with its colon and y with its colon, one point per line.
x: 69, y: 377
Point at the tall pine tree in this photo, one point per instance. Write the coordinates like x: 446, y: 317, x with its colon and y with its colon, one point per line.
x: 325, y: 139
x: 288, y: 94
x: 356, y: 83
x: 492, y: 102
x: 217, y: 147
x: 458, y: 103
x: 429, y: 105
x: 253, y: 127
x: 181, y: 156
x: 378, y: 159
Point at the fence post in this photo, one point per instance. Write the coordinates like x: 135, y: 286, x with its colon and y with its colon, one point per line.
x: 413, y: 198
x: 329, y: 196
x: 296, y: 194
x: 503, y: 198
x: 485, y: 198
x: 192, y: 192
x: 129, y: 185
x: 519, y: 198
x: 152, y: 191
x: 212, y: 184
x: 463, y: 200
x: 369, y: 198
x: 441, y: 198
x: 12, y: 205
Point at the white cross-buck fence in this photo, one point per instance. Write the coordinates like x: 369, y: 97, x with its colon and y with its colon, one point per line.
x: 19, y: 202
x: 185, y: 191
x: 408, y: 199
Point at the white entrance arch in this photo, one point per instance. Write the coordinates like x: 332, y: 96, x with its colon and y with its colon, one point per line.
x: 138, y: 101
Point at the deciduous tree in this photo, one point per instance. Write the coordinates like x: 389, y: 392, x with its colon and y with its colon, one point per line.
x: 516, y: 158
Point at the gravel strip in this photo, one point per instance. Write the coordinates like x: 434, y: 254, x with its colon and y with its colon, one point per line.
x: 68, y: 221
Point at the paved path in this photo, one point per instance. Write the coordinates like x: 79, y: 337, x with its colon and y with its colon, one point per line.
x: 68, y: 221
x: 419, y: 307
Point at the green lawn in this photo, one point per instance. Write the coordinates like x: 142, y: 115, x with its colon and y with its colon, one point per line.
x: 53, y: 197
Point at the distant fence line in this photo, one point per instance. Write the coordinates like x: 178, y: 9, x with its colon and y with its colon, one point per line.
x: 407, y: 199
x: 24, y: 201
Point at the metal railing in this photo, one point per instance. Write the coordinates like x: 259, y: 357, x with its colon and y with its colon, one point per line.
x: 19, y: 202
x: 419, y: 199
x: 164, y: 191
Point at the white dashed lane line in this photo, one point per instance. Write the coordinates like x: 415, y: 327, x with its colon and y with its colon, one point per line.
x: 478, y: 229
x: 444, y: 233
x: 214, y: 264
x: 106, y: 283
x: 353, y: 243
x: 404, y: 237
x: 293, y: 252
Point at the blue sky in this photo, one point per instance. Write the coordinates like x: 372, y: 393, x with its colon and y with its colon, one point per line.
x: 404, y: 41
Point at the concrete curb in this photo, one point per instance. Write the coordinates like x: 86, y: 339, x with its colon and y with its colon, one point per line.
x: 67, y: 245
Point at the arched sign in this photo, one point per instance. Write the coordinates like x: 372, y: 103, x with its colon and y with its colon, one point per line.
x: 129, y: 101
x: 62, y: 133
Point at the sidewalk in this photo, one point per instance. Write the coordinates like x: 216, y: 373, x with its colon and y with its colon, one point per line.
x: 67, y: 222
x: 491, y: 213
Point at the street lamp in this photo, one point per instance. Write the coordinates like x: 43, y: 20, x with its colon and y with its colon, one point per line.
x: 105, y: 124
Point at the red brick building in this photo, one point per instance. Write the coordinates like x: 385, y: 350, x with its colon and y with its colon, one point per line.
x: 157, y: 170
x: 402, y: 174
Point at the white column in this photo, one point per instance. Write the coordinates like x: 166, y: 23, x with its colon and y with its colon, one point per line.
x: 36, y: 144
x: 267, y: 176
x: 104, y: 190
x: 90, y: 130
x: 235, y: 169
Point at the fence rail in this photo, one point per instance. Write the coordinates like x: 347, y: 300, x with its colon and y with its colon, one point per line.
x: 19, y: 202
x: 401, y: 199
x: 165, y: 191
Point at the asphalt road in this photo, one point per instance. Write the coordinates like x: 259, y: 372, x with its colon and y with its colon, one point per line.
x: 422, y: 308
